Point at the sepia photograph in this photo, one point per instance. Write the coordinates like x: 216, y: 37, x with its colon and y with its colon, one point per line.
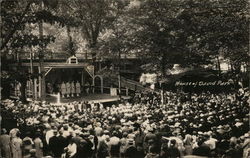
x: 125, y: 79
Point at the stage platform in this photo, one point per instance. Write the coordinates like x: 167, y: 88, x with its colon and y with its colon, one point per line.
x: 102, y: 98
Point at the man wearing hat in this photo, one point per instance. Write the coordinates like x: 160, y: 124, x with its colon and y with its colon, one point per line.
x: 5, y: 144
x: 98, y: 129
x: 87, y: 145
x: 202, y: 149
x: 150, y: 136
x: 211, y: 142
x: 114, y: 145
x: 131, y: 149
x: 48, y: 133
x: 53, y: 144
x: 62, y: 142
x: 71, y: 149
x: 246, y: 145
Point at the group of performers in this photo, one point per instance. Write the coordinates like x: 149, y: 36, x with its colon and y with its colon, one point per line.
x: 70, y: 89
x: 16, y: 87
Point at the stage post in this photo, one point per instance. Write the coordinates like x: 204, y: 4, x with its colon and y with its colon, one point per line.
x: 58, y: 98
x: 93, y: 85
x: 39, y: 84
x: 82, y: 83
x: 101, y: 85
x: 35, y: 88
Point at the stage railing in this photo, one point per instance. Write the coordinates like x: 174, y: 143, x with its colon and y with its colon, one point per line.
x: 111, y: 90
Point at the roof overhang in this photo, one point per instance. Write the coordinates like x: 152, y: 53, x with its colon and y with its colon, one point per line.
x: 58, y: 65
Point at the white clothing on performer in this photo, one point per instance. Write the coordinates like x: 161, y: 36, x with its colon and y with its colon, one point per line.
x: 63, y: 89
x: 72, y: 88
x: 68, y: 89
x: 18, y: 91
x: 78, y: 88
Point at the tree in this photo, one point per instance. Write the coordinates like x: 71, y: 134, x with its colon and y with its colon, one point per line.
x: 190, y: 33
x: 94, y: 17
x: 158, y: 32
x: 114, y: 41
x: 66, y: 10
x: 16, y: 36
x: 15, y: 17
x: 221, y: 27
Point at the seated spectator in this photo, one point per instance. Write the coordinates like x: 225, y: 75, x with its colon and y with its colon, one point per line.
x: 152, y: 152
x: 173, y: 151
x: 71, y: 149
x: 202, y: 149
x: 213, y: 125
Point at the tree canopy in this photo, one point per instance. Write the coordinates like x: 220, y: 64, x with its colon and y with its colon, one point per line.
x: 163, y: 32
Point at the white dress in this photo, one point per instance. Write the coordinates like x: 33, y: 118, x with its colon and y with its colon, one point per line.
x: 78, y: 88
x: 72, y: 89
x: 68, y: 88
x: 63, y: 88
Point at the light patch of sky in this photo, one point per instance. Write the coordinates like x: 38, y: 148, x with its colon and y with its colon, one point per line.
x: 134, y: 3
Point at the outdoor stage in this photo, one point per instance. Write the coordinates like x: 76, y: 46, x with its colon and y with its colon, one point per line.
x: 102, y: 98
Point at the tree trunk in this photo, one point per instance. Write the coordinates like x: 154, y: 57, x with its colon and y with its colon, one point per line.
x: 218, y: 63
x: 41, y: 61
x: 163, y: 65
x: 71, y: 49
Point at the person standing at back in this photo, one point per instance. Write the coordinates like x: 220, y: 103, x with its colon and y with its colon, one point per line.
x: 173, y: 151
x: 38, y: 145
x: 16, y: 146
x: 53, y: 144
x: 5, y: 144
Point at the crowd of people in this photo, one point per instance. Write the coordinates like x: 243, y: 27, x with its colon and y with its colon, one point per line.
x: 205, y: 124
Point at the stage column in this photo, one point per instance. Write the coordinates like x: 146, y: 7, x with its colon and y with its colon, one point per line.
x: 101, y: 85
x: 41, y: 86
x: 93, y: 85
x: 35, y: 88
x: 82, y: 80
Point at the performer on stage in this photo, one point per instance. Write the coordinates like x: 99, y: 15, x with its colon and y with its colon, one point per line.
x: 78, y: 88
x: 63, y: 89
x: 72, y: 89
x: 18, y: 89
x: 68, y: 89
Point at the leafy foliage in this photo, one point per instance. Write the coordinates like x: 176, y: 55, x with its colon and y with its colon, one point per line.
x: 191, y: 33
x: 16, y: 17
x: 221, y: 27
